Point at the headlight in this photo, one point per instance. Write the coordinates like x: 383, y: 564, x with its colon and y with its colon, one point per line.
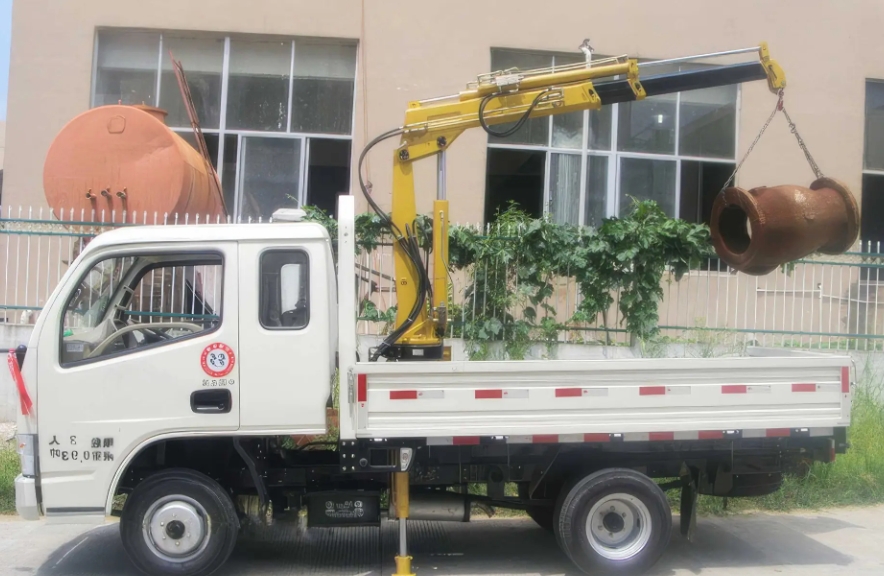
x: 27, y: 450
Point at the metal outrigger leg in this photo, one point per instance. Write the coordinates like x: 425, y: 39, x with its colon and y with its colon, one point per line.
x: 400, y: 499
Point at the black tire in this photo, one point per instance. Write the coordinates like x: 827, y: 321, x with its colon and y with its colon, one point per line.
x: 633, y: 515
x: 542, y: 516
x: 208, y: 515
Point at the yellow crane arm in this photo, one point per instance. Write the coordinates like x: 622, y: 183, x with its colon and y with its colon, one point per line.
x: 498, y: 98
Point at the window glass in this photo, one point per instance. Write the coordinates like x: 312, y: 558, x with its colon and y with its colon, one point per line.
x: 567, y: 129
x: 514, y: 176
x: 564, y: 188
x: 595, y: 207
x: 648, y: 125
x: 645, y: 179
x: 323, y: 88
x: 258, y: 88
x: 203, y: 61
x: 328, y: 174
x: 874, y: 136
x: 536, y: 130
x: 228, y: 171
x: 127, y: 67
x: 707, y: 121
x: 126, y: 304
x: 600, y: 128
x: 284, y: 300
x: 269, y: 175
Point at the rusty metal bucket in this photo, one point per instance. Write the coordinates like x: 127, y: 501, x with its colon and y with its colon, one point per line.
x: 756, y: 231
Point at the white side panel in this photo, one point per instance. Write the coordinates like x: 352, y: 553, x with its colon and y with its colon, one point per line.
x: 601, y: 396
x: 346, y: 314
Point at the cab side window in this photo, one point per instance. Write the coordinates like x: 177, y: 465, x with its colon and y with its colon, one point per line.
x: 128, y: 303
x: 284, y: 299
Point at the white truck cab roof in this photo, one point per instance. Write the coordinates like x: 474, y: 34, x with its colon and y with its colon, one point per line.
x: 210, y: 232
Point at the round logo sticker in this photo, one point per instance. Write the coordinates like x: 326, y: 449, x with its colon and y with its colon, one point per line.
x: 218, y: 360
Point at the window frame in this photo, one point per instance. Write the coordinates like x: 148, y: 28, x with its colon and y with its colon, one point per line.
x: 137, y: 279
x: 222, y: 131
x: 865, y: 170
x: 285, y: 250
x: 613, y: 192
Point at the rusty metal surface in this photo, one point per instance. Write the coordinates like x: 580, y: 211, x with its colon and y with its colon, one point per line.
x: 757, y: 230
x: 119, y: 159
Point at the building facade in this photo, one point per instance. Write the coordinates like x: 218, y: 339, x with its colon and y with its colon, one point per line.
x: 289, y: 91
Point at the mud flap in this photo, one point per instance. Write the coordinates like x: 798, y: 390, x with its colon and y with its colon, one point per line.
x: 689, y: 493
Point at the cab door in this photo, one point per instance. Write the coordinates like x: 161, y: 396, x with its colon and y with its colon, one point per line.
x: 140, y: 343
x: 284, y: 336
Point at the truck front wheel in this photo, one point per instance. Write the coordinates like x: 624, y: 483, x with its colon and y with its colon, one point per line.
x: 178, y: 523
x: 614, y: 521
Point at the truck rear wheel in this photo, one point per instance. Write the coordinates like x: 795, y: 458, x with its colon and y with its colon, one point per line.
x: 178, y: 523
x: 615, y: 521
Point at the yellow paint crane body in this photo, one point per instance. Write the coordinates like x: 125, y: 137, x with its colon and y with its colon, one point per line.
x: 501, y: 97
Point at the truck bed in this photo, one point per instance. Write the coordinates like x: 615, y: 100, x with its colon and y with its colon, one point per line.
x: 603, y: 400
x: 769, y: 393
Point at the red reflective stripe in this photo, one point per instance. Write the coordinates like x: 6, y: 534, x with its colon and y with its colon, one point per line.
x: 481, y: 394
x: 545, y: 438
x: 845, y: 380
x: 23, y: 397
x: 361, y: 388
x: 778, y: 432
x: 596, y: 437
x: 465, y: 441
x: 403, y: 394
x: 710, y: 435
x: 734, y: 389
x: 651, y: 390
x: 568, y: 392
x: 659, y: 436
x: 803, y: 387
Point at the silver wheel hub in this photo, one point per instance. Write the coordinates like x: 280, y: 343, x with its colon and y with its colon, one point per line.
x: 176, y: 528
x: 618, y: 526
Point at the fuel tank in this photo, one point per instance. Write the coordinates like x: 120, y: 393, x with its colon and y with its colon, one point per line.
x: 116, y: 160
x: 757, y: 230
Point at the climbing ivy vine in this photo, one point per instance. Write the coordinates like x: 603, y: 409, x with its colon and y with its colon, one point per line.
x: 515, y: 265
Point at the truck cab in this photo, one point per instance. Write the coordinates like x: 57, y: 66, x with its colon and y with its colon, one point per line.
x: 170, y: 332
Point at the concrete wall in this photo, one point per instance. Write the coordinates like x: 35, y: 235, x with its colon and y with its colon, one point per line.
x: 2, y: 143
x: 420, y: 49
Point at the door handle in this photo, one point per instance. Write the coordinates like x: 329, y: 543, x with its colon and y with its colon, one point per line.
x: 211, y: 401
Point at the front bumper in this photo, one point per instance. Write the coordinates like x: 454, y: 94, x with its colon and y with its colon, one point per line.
x: 26, y: 504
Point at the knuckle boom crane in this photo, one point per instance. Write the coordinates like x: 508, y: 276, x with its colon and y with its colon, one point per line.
x: 515, y: 96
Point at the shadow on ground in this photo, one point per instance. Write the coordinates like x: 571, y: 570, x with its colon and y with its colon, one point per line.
x: 489, y: 547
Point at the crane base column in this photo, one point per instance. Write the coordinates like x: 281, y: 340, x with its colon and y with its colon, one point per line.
x: 403, y: 566
x: 400, y: 497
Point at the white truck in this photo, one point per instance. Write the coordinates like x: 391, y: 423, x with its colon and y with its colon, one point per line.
x: 188, y: 413
x: 190, y: 368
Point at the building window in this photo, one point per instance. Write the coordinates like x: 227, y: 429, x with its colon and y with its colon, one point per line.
x: 675, y: 149
x: 276, y: 112
x: 872, y: 225
x: 284, y: 300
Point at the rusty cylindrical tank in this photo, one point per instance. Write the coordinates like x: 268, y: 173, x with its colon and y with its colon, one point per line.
x: 756, y: 231
x: 123, y: 159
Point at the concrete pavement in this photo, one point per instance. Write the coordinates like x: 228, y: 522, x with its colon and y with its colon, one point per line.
x: 830, y: 543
